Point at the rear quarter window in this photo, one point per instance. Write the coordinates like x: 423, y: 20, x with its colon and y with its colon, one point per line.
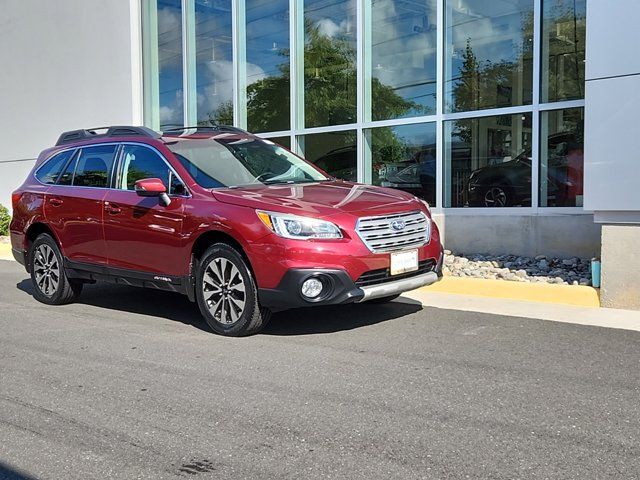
x: 48, y: 173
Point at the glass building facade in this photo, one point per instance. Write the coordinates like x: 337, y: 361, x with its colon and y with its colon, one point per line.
x: 465, y: 103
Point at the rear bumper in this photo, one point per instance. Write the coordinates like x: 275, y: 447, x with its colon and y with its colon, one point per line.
x: 340, y: 288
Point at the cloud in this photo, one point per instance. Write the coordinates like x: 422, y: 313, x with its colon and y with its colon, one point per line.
x: 329, y: 28
x: 217, y: 84
x: 169, y: 37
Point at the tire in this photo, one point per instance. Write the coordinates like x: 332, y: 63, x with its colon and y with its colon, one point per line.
x: 384, y: 299
x: 499, y: 195
x: 227, y: 294
x: 50, y: 283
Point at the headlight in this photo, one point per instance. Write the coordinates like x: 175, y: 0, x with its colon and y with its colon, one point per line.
x: 298, y: 228
x: 426, y: 204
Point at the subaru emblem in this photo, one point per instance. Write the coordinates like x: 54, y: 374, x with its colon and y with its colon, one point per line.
x: 398, y: 225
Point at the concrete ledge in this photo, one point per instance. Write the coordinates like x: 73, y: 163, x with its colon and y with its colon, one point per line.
x: 531, y: 292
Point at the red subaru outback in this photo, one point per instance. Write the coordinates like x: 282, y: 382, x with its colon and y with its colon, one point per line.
x: 239, y: 224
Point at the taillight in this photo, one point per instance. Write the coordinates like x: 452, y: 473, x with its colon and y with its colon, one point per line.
x: 15, y: 198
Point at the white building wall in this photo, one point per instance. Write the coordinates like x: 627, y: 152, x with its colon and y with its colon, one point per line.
x: 612, y: 156
x: 612, y: 129
x: 66, y: 64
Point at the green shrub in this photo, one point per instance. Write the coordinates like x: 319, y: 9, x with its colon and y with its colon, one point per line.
x: 5, y: 220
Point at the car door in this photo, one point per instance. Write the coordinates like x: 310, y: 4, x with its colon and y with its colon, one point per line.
x: 73, y: 205
x: 142, y: 234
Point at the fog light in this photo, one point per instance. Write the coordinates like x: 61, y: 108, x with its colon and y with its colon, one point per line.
x: 311, y: 288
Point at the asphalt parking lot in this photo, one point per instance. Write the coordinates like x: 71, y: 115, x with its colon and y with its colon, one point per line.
x: 129, y: 384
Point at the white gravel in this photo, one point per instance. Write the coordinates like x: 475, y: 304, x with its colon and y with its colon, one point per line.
x: 565, y: 271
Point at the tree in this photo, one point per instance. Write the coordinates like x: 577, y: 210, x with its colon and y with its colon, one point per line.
x: 329, y: 89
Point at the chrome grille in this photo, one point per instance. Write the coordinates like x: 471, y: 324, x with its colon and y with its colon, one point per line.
x: 378, y: 234
x: 383, y: 275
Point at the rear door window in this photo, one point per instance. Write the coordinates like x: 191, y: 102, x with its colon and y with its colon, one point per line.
x: 48, y: 173
x: 91, y: 168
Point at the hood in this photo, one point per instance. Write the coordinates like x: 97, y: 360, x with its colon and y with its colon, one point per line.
x: 320, y: 199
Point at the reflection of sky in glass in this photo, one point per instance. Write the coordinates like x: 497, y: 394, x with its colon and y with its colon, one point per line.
x: 495, y: 31
x: 336, y: 21
x: 267, y: 40
x: 403, y: 53
x: 170, y: 61
x: 214, y: 66
x: 267, y: 37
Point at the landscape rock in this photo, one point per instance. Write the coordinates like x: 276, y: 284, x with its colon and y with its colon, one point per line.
x: 540, y: 269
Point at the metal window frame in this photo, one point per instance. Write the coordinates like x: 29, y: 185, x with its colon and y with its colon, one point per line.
x: 364, y: 124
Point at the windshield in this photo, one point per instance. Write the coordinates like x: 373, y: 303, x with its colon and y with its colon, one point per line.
x: 233, y: 162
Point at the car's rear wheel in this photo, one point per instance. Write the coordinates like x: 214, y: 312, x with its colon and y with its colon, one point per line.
x: 50, y: 283
x: 227, y: 294
x: 497, y: 196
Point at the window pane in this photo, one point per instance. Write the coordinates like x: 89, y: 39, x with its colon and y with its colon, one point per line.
x: 170, y: 62
x: 67, y: 176
x: 49, y: 172
x: 284, y: 141
x: 403, y: 58
x: 334, y: 152
x: 563, y: 45
x: 561, y: 158
x: 405, y: 158
x: 93, y: 168
x: 329, y: 62
x: 488, y: 162
x: 214, y: 62
x: 489, y: 51
x: 141, y: 162
x: 267, y: 65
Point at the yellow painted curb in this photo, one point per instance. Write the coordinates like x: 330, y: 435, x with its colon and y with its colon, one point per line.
x: 532, y: 292
x: 5, y: 251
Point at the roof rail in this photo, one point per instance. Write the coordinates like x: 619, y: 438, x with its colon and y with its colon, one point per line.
x: 204, y: 129
x: 73, y: 136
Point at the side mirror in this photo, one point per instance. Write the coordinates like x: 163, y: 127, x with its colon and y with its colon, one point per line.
x: 152, y: 187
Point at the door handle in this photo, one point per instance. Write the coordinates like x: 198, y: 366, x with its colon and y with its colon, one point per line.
x: 111, y: 208
x: 56, y: 202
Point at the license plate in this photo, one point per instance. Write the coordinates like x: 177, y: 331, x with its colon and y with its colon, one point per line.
x: 402, y: 262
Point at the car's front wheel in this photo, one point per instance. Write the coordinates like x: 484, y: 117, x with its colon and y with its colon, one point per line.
x: 50, y: 283
x: 227, y: 294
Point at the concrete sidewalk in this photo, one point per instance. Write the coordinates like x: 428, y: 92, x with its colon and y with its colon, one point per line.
x: 5, y: 251
x: 556, y: 312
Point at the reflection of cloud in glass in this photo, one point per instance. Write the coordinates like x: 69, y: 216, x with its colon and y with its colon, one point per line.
x: 170, y: 62
x: 403, y: 51
x: 494, y: 26
x: 331, y: 29
x: 489, y: 61
x: 216, y: 84
x: 169, y: 37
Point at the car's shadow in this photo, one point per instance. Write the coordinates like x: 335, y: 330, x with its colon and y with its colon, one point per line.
x: 176, y: 307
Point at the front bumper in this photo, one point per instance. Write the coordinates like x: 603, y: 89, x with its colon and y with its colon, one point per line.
x: 20, y: 256
x: 341, y: 289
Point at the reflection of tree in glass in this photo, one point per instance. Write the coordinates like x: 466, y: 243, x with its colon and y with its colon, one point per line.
x: 223, y: 115
x: 566, y: 29
x: 330, y: 89
x: 488, y: 84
